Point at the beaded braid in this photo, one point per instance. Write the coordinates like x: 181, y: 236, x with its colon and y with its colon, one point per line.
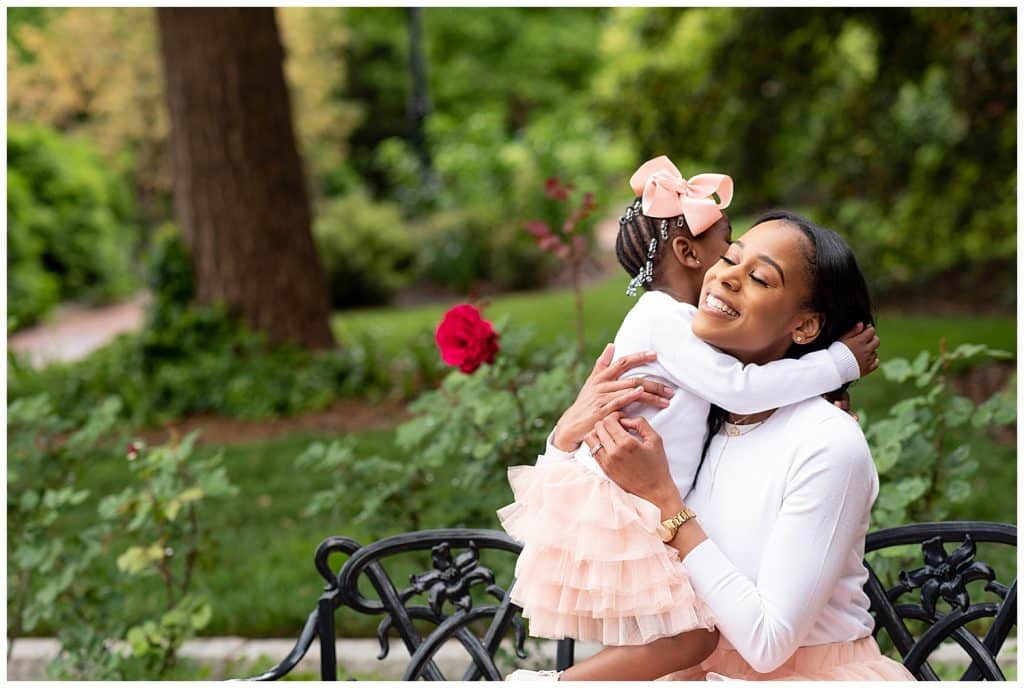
x: 637, y: 245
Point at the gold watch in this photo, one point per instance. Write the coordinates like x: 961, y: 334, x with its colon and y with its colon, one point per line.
x: 667, y: 529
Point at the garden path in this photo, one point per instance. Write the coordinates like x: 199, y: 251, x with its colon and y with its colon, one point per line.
x: 76, y: 331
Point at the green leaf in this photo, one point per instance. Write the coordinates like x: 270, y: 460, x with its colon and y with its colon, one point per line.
x: 904, y: 410
x: 983, y: 415
x: 29, y: 500
x: 967, y: 351
x: 957, y: 491
x: 920, y: 364
x: 959, y: 455
x: 896, y: 370
x: 202, y: 616
x: 137, y: 559
x: 138, y: 640
x: 886, y: 457
x: 191, y: 494
x: 912, y: 488
x: 958, y: 411
x: 171, y: 509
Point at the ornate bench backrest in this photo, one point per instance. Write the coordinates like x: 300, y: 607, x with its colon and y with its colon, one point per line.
x: 917, y: 593
x: 442, y: 596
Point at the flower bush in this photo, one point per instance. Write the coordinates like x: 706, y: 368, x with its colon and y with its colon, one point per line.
x: 52, y: 575
x: 462, y: 438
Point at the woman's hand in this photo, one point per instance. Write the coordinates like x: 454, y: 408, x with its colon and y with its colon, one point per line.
x: 635, y: 462
x: 605, y: 393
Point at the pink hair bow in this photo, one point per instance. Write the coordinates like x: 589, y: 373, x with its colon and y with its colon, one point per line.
x: 665, y: 193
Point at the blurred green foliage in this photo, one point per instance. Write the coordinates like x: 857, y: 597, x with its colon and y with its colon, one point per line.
x: 449, y: 461
x: 69, y: 221
x: 923, y: 446
x: 61, y: 532
x: 191, y: 359
x: 895, y: 126
x: 366, y: 249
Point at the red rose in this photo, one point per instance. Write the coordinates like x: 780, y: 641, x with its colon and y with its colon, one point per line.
x: 465, y: 339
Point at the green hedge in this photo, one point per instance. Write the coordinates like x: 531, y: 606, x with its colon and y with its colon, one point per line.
x: 70, y: 224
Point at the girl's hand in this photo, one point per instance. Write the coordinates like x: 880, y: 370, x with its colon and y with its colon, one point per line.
x: 863, y: 343
x: 842, y: 402
x: 635, y: 462
x: 604, y: 393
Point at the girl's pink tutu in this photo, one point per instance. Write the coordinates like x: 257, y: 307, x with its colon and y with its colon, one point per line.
x: 593, y: 567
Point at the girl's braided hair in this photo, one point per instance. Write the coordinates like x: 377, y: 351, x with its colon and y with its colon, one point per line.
x: 641, y: 242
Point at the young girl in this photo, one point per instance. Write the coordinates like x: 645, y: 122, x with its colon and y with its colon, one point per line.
x: 594, y: 565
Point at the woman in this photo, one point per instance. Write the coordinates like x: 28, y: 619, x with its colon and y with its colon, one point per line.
x: 783, y: 498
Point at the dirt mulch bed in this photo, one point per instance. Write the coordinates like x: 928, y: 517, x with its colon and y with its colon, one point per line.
x: 342, y: 417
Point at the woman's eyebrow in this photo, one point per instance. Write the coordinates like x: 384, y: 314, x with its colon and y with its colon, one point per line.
x: 767, y: 259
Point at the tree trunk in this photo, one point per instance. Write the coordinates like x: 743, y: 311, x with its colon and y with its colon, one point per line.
x: 239, y: 190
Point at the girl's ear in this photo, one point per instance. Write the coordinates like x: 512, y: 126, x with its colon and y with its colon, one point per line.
x: 685, y: 253
x: 808, y: 329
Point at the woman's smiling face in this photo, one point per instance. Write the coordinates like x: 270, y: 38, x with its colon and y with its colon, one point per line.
x: 753, y: 304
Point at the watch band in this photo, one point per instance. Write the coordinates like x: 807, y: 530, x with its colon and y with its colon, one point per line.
x: 667, y: 529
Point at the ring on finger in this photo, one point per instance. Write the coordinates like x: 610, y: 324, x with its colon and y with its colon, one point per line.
x: 599, y: 447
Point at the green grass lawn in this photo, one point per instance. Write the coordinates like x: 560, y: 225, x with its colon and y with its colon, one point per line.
x: 552, y: 314
x: 259, y: 569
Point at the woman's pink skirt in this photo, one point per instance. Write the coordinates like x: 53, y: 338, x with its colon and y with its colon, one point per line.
x: 593, y: 567
x: 856, y: 660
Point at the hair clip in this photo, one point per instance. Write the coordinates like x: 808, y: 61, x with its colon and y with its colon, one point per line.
x: 680, y: 222
x: 634, y: 283
x: 664, y: 230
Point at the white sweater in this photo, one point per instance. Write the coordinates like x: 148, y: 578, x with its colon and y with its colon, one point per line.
x: 786, y: 507
x: 702, y: 375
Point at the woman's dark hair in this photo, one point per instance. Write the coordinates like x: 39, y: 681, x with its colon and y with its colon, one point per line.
x: 636, y: 231
x: 837, y: 291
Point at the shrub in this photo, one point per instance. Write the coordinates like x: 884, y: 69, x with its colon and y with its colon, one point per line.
x: 45, y: 453
x: 490, y: 181
x: 190, y: 359
x: 70, y: 224
x: 456, y: 448
x: 59, y: 533
x: 366, y: 249
x: 922, y: 448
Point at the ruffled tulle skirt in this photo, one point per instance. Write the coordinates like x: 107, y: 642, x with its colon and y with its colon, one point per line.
x: 593, y: 567
x: 856, y: 660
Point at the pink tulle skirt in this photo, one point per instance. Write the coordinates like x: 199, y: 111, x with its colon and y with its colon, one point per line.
x: 856, y: 660
x: 593, y: 567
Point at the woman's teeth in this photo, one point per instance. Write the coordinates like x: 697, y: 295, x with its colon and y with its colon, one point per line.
x: 720, y: 306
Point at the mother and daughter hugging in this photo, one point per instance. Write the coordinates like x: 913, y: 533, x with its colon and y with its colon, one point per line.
x: 701, y: 509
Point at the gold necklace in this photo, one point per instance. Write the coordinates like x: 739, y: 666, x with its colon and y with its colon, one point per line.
x: 733, y: 429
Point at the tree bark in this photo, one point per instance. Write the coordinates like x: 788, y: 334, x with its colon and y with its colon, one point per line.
x: 240, y: 195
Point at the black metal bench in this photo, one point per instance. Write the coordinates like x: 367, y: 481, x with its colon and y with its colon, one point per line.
x: 457, y: 575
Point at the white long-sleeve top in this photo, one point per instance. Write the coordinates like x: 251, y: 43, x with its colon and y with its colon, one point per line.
x: 785, y: 506
x: 703, y: 375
